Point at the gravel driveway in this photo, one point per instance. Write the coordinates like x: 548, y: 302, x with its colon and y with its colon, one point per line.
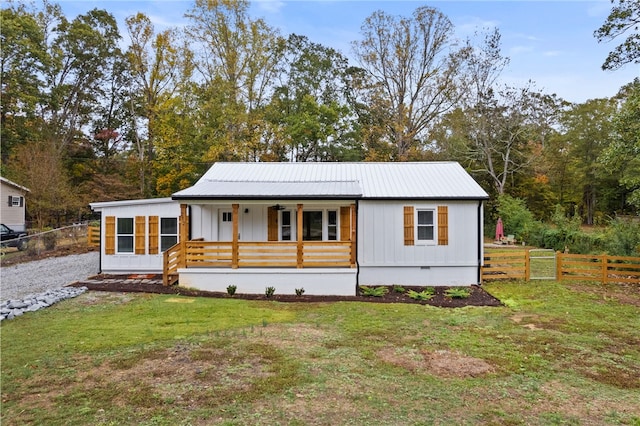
x: 39, y: 276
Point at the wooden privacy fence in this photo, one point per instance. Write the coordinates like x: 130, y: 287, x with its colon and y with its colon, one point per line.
x: 93, y: 236
x: 526, y: 265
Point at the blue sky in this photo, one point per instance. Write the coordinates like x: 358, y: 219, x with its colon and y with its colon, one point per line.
x: 548, y: 42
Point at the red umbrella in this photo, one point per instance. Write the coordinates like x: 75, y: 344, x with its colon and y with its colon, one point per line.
x: 499, y: 230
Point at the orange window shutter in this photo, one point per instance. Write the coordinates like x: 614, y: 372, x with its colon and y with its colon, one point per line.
x: 272, y: 224
x: 443, y: 225
x: 140, y: 234
x: 408, y: 226
x: 153, y: 234
x: 345, y: 223
x: 110, y: 235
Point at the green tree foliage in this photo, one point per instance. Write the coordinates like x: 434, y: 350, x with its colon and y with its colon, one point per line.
x: 622, y: 156
x: 624, y: 18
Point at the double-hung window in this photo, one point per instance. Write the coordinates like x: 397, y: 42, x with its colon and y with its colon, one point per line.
x: 124, y: 235
x: 168, y: 232
x: 332, y: 225
x: 426, y: 226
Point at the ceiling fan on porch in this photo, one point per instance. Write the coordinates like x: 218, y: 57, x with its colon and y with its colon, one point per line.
x: 278, y: 207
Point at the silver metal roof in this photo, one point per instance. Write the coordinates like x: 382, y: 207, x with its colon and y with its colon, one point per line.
x: 417, y: 180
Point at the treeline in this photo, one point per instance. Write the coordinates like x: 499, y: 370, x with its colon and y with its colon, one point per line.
x: 93, y: 112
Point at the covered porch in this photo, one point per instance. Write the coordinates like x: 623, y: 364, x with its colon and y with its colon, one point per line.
x: 198, y: 262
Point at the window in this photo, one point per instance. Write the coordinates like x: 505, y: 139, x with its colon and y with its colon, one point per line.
x: 312, y: 225
x: 227, y: 216
x: 425, y: 225
x: 124, y: 235
x: 332, y: 225
x: 16, y: 201
x: 285, y: 227
x: 168, y: 232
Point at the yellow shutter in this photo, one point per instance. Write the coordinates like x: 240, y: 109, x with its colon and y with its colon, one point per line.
x: 140, y: 234
x: 345, y: 223
x: 153, y: 235
x: 408, y: 226
x: 272, y: 224
x: 110, y: 235
x: 443, y: 225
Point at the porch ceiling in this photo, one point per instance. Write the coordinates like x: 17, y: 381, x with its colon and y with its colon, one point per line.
x: 218, y: 189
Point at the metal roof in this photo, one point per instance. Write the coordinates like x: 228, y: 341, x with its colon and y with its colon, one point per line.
x: 415, y: 180
x: 15, y: 185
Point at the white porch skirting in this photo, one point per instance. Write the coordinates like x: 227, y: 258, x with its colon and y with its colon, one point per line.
x: 318, y: 281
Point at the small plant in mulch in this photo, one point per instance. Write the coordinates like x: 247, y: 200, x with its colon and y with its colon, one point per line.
x: 458, y: 293
x: 269, y: 291
x: 373, y: 291
x: 299, y: 291
x: 398, y: 289
x: 425, y: 294
x: 231, y: 290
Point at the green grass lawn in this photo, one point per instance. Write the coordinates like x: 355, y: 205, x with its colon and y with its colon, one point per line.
x: 555, y: 354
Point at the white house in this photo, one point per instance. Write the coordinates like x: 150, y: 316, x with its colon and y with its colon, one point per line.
x: 13, y: 207
x: 324, y: 227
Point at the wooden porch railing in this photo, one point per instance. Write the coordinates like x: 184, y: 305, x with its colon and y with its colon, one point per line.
x: 212, y: 254
x: 171, y: 263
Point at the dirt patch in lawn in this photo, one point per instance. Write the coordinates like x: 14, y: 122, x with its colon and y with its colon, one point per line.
x: 477, y: 295
x: 623, y: 293
x: 442, y: 363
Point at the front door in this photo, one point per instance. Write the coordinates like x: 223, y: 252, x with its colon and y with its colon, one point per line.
x: 225, y: 225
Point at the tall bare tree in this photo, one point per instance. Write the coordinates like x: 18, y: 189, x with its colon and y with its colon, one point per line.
x: 414, y: 64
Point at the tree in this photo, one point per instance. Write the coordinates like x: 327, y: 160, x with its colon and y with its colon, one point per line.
x: 414, y: 66
x: 159, y: 66
x: 309, y: 108
x: 624, y: 17
x: 587, y: 130
x: 622, y: 156
x: 237, y: 59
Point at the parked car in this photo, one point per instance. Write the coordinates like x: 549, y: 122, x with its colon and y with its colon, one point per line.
x: 11, y: 238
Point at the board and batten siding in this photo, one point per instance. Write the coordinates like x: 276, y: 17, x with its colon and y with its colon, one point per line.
x: 147, y: 257
x: 388, y: 250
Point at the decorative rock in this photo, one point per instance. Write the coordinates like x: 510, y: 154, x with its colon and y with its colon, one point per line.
x: 13, y: 308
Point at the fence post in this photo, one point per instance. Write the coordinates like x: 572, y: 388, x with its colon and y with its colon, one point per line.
x: 559, y: 257
x: 527, y: 265
x: 605, y: 268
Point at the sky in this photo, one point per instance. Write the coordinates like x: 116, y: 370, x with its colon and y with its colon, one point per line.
x: 549, y: 42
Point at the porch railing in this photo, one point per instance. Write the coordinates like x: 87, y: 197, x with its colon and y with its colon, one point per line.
x: 288, y: 254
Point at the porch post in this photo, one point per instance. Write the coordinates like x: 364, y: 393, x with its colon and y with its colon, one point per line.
x: 184, y: 235
x: 299, y: 237
x: 234, y: 244
x: 353, y: 235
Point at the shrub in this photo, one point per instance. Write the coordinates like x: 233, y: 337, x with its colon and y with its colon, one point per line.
x: 516, y: 217
x: 398, y: 289
x: 425, y: 294
x: 458, y: 293
x: 269, y: 291
x: 50, y: 239
x: 299, y: 291
x: 231, y: 290
x: 623, y: 238
x: 373, y: 291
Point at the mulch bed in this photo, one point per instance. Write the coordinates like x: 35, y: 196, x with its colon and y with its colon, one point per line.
x: 478, y: 296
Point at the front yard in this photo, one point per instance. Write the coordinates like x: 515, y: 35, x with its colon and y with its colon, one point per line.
x: 555, y: 354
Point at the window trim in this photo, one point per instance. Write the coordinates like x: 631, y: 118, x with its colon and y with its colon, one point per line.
x: 131, y: 235
x: 433, y: 225
x: 161, y: 234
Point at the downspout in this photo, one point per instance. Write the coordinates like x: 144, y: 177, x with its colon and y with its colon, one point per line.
x: 99, y: 246
x: 480, y: 240
x: 356, y: 248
